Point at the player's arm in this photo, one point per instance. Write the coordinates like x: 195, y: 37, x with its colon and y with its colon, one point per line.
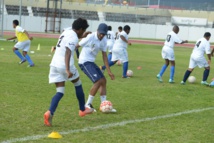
x: 105, y: 60
x: 208, y: 52
x: 67, y: 62
x: 124, y: 39
x: 11, y: 38
x: 31, y: 38
x: 83, y: 42
x: 86, y: 34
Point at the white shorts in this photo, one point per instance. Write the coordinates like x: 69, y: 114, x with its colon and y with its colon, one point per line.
x: 24, y: 46
x: 110, y: 46
x: 59, y: 75
x: 120, y: 54
x: 200, y: 62
x: 168, y: 53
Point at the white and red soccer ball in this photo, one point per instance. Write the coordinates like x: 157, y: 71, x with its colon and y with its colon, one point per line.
x: 106, y: 106
x: 129, y: 73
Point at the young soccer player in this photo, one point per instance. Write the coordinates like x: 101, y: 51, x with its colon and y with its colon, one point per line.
x: 62, y: 69
x: 119, y: 51
x: 23, y: 43
x: 91, y: 45
x: 197, y: 58
x: 168, y: 53
x: 120, y: 29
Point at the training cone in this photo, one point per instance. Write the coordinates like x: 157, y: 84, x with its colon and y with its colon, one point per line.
x: 38, y: 48
x: 55, y: 135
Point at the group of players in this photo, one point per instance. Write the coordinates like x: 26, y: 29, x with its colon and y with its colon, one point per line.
x: 62, y: 67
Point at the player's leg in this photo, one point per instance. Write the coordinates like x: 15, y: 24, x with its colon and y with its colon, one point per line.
x: 172, y: 72
x: 205, y: 75
x: 81, y: 97
x: 16, y: 48
x: 25, y: 50
x: 110, y: 62
x: 125, y: 60
x: 192, y: 65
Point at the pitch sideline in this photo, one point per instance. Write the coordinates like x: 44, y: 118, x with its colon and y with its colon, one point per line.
x: 36, y: 137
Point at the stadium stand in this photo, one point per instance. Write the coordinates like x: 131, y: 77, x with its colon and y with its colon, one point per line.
x: 92, y: 15
x: 14, y: 10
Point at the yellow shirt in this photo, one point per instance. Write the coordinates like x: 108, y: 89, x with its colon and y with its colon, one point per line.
x: 21, y: 36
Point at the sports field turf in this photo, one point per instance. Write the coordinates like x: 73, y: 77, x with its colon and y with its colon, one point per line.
x: 26, y: 94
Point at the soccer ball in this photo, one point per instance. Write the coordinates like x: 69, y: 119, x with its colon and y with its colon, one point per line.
x: 106, y: 106
x: 119, y: 63
x: 191, y: 79
x: 129, y: 73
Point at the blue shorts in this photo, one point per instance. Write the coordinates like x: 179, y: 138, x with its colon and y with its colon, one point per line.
x: 92, y: 71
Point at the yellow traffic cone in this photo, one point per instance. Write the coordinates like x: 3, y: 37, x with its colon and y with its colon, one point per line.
x: 38, y: 48
x: 55, y: 135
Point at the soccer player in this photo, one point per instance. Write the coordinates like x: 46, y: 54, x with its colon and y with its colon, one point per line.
x: 91, y: 45
x: 197, y: 58
x: 168, y: 53
x: 120, y: 29
x: 62, y: 69
x: 119, y: 51
x: 23, y: 43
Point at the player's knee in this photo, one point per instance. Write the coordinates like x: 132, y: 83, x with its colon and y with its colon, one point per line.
x: 78, y: 83
x: 60, y: 89
x: 103, y: 80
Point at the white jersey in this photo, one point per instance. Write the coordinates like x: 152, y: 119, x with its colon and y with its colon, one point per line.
x: 110, y: 37
x: 91, y: 45
x: 67, y: 39
x: 202, y: 46
x: 119, y: 43
x: 171, y: 39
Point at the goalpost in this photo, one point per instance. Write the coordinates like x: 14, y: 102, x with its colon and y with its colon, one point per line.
x: 1, y: 18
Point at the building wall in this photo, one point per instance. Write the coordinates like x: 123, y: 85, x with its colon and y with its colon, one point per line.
x: 37, y: 24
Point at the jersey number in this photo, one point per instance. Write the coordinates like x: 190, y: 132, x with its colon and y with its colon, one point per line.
x: 198, y: 44
x: 168, y: 38
x: 60, y: 40
x: 109, y: 36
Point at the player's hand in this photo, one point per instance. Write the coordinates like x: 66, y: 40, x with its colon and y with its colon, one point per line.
x: 186, y: 41
x: 129, y: 43
x: 111, y: 75
x: 69, y: 74
x: 31, y: 38
x: 53, y: 49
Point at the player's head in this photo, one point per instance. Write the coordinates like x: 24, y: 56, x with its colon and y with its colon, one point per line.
x: 109, y: 28
x: 79, y: 26
x: 15, y: 23
x: 127, y: 29
x: 176, y: 29
x: 207, y: 35
x: 102, y: 31
x: 120, y: 28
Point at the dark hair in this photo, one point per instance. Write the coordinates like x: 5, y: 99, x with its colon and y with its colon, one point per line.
x: 207, y: 34
x: 120, y: 27
x: 16, y: 22
x: 109, y: 28
x: 125, y: 28
x: 80, y: 23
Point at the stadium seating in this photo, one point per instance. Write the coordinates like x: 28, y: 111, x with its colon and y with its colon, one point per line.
x: 91, y: 15
x: 14, y: 10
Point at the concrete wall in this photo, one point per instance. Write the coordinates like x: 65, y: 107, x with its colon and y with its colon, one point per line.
x: 37, y: 24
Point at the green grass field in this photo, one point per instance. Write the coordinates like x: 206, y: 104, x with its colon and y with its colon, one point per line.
x: 26, y: 94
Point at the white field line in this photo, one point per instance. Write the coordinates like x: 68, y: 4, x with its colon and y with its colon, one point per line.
x: 105, y: 126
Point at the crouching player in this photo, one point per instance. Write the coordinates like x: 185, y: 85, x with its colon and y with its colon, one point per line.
x: 62, y: 68
x: 197, y: 58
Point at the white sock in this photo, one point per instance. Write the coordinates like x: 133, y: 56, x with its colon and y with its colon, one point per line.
x: 90, y: 100
x: 102, y: 98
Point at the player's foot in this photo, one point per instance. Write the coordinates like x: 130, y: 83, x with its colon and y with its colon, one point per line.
x: 91, y: 106
x: 32, y: 65
x: 22, y: 61
x: 48, y: 118
x: 159, y: 78
x: 113, y: 111
x: 211, y: 84
x: 171, y: 81
x: 87, y: 111
x: 182, y: 82
x: 125, y: 77
x: 102, y: 70
x: 204, y: 83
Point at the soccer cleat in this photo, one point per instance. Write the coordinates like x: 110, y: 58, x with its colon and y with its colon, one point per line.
x: 48, y: 118
x: 86, y: 111
x: 102, y: 69
x: 183, y: 83
x: 204, y: 83
x: 22, y: 61
x: 171, y: 81
x: 125, y: 77
x: 113, y: 111
x: 32, y: 65
x: 159, y: 78
x: 91, y: 106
